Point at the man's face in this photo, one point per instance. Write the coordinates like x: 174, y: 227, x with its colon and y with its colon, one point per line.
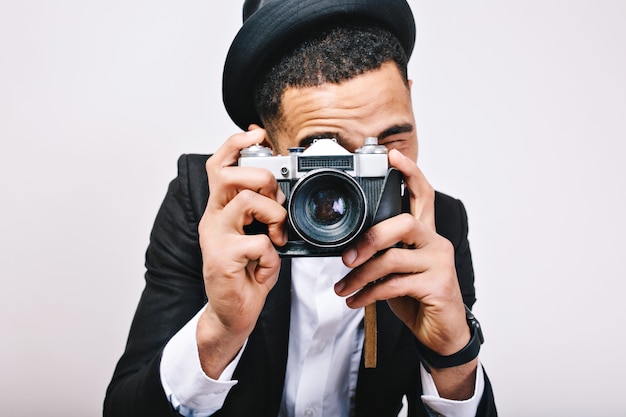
x: 377, y: 103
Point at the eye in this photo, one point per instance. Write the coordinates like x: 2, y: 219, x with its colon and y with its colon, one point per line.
x: 305, y: 143
x: 394, y: 140
x: 395, y: 135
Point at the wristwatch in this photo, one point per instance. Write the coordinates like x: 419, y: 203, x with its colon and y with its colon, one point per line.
x: 430, y: 358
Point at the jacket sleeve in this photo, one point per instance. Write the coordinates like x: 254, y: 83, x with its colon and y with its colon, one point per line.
x: 451, y: 222
x: 173, y: 294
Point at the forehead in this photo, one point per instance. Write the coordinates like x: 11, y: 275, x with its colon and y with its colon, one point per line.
x: 366, y: 105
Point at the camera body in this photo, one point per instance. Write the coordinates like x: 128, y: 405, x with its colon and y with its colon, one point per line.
x: 333, y: 195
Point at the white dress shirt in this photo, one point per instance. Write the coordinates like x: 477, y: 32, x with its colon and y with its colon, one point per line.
x: 325, y: 342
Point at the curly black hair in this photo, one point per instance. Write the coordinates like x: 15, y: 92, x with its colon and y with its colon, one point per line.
x: 329, y: 54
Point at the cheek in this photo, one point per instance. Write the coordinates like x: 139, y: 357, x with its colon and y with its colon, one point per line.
x: 409, y: 150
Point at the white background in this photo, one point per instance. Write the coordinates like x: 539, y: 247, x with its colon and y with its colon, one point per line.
x: 521, y: 110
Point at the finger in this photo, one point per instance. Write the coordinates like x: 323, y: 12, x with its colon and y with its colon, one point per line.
x: 422, y: 194
x: 421, y: 274
x: 266, y: 265
x: 392, y: 261
x: 389, y: 288
x: 225, y: 183
x: 226, y: 180
x: 234, y: 253
x: 424, y: 284
x: 401, y: 228
x: 247, y: 206
x: 228, y: 153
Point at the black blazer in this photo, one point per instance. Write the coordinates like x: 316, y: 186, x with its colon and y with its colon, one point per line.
x: 174, y: 293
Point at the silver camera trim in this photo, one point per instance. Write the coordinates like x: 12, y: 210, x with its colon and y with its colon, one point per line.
x: 367, y: 168
x: 370, y: 160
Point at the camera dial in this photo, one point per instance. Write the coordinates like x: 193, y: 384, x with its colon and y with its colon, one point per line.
x: 255, y: 151
x: 370, y: 146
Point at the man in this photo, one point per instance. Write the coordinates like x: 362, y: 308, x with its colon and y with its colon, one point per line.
x: 225, y: 326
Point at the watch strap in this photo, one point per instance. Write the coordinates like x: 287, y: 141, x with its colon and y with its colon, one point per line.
x: 430, y: 358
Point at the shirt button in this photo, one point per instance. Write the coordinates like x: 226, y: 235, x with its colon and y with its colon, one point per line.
x: 309, y: 412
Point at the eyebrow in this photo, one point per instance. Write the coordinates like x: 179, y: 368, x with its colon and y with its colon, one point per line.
x: 394, y: 130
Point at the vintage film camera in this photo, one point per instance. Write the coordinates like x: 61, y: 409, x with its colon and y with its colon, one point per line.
x: 332, y: 195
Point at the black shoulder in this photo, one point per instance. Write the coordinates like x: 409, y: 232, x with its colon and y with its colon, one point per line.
x: 450, y: 217
x: 192, y: 173
x: 451, y: 223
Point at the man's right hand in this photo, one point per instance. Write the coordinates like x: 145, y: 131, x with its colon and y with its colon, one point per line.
x: 239, y: 270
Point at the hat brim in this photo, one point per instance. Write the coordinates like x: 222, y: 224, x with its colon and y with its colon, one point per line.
x: 271, y: 28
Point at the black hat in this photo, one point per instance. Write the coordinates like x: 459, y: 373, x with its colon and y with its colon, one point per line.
x: 269, y: 25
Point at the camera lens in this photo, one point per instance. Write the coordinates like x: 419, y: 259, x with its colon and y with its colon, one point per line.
x: 327, y: 208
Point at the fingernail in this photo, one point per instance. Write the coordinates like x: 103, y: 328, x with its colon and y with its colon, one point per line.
x: 395, y: 151
x: 349, y: 301
x: 349, y: 256
x: 280, y: 196
x: 339, y: 286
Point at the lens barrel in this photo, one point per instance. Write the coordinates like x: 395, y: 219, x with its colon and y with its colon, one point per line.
x: 327, y: 208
